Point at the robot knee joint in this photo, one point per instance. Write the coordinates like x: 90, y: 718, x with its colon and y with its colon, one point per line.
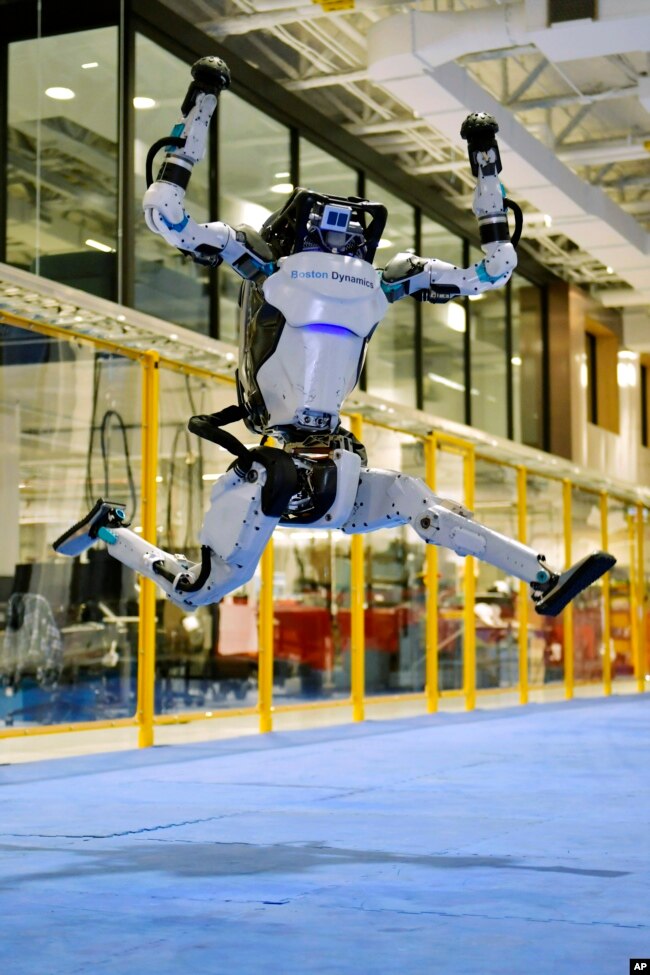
x: 281, y: 479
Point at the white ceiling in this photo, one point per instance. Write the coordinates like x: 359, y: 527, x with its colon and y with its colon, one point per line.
x: 572, y: 100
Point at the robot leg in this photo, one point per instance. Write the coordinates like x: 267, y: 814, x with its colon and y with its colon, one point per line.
x: 245, y: 507
x: 387, y: 498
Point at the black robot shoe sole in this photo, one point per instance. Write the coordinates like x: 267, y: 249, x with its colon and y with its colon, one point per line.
x: 97, y: 524
x: 565, y: 587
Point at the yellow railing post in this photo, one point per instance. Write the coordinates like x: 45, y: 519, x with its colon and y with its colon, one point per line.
x: 568, y: 612
x: 607, y: 609
x: 147, y: 607
x: 265, y: 656
x: 641, y: 606
x: 431, y: 579
x: 357, y: 619
x: 522, y: 608
x: 469, y: 640
x: 632, y: 534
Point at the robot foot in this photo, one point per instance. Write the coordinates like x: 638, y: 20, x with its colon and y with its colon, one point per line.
x: 97, y: 524
x: 551, y: 597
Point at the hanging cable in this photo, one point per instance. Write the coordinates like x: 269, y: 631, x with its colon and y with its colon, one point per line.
x: 519, y: 220
x: 169, y: 140
x: 108, y: 417
x: 91, y: 496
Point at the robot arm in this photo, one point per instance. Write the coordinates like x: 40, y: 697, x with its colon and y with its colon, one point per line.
x: 164, y: 211
x: 428, y: 279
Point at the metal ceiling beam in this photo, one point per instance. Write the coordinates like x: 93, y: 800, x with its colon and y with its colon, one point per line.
x: 500, y: 53
x: 327, y: 81
x: 571, y: 124
x: 390, y: 125
x: 557, y: 101
x: 527, y: 82
x: 245, y: 23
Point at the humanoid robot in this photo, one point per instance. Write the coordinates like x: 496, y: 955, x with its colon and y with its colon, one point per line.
x: 311, y: 300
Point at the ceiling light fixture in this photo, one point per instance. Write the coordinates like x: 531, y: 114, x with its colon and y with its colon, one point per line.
x: 90, y: 64
x: 143, y: 101
x: 282, y: 188
x: 60, y: 94
x: 98, y: 246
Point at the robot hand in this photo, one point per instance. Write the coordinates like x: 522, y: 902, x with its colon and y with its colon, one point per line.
x: 479, y: 130
x: 490, y: 203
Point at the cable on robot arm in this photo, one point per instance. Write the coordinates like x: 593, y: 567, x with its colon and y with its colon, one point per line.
x: 164, y: 210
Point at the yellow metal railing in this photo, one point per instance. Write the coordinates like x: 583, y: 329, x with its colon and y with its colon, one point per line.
x: 147, y: 626
x: 357, y: 599
x: 145, y: 717
x: 522, y: 602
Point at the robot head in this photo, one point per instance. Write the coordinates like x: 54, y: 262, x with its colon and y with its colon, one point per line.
x: 311, y: 221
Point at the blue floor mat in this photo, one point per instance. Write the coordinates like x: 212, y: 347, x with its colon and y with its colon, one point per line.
x: 497, y: 842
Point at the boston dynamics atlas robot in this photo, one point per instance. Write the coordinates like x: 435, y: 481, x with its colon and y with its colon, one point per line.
x: 311, y: 300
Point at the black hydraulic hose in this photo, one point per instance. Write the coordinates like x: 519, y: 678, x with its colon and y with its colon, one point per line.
x: 519, y: 220
x: 169, y: 140
x: 209, y: 428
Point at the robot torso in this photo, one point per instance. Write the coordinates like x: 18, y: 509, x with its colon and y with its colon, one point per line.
x: 304, y: 339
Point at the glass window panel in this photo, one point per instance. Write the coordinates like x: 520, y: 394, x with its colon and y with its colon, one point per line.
x: 395, y: 582
x: 489, y: 403
x: 71, y: 431
x: 443, y: 334
x: 586, y: 537
x: 527, y: 362
x: 545, y: 533
x: 451, y: 580
x: 321, y: 172
x: 497, y: 640
x: 62, y: 159
x: 618, y: 543
x: 391, y: 353
x: 254, y: 181
x: 167, y: 284
x: 311, y: 615
x: 206, y: 658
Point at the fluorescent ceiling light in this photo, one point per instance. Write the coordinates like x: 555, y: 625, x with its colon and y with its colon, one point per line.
x: 282, y: 188
x: 281, y: 175
x: 90, y: 64
x: 516, y: 360
x: 142, y: 101
x: 97, y: 244
x: 434, y: 377
x: 475, y: 297
x: 384, y: 242
x: 60, y: 94
x: 455, y: 317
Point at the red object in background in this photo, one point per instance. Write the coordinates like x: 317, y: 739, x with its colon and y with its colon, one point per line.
x: 303, y: 635
x: 382, y: 627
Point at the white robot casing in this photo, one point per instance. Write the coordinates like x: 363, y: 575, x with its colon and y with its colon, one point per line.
x: 331, y: 304
x: 322, y: 309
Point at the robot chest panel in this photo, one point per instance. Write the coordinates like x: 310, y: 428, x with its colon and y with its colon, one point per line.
x: 311, y: 371
x: 315, y: 288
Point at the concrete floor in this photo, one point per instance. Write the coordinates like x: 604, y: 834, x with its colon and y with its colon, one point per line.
x: 500, y: 841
